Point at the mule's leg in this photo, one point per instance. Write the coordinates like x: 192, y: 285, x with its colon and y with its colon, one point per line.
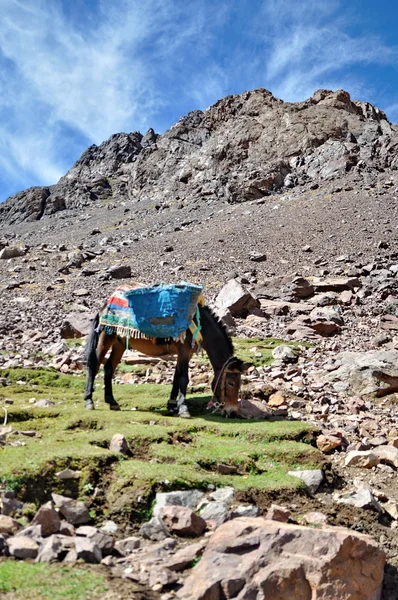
x: 92, y: 365
x: 176, y: 404
x: 109, y: 370
x: 94, y: 359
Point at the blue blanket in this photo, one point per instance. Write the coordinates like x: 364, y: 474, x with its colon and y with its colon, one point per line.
x: 163, y: 311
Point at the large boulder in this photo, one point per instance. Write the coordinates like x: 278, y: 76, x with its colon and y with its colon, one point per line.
x: 76, y: 325
x: 374, y: 372
x: 256, y: 557
x: 235, y: 298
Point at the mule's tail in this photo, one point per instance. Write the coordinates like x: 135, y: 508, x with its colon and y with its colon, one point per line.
x: 92, y: 342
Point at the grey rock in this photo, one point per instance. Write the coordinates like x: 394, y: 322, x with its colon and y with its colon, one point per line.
x: 244, y: 510
x: 74, y: 511
x: 119, y: 444
x: 87, y: 550
x: 284, y: 353
x: 362, y: 373
x: 119, y: 271
x: 311, y: 477
x: 53, y: 547
x: 126, y: 546
x: 10, y: 252
x: 22, y: 547
x: 189, y: 499
x: 76, y: 325
x: 224, y: 494
x: 361, y: 499
x: 109, y: 527
x: 236, y: 299
x: 32, y: 531
x: 215, y: 511
x: 154, y: 530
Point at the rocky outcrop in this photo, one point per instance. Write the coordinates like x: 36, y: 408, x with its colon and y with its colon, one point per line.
x: 253, y: 558
x: 242, y: 148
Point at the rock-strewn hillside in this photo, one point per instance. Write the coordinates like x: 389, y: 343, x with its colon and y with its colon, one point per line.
x: 243, y: 148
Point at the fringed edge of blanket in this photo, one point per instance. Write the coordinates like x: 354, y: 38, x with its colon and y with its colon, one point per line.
x: 135, y: 334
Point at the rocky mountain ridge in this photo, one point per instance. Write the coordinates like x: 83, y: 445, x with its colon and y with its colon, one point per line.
x: 242, y: 148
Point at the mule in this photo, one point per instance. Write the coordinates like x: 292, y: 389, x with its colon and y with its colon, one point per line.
x: 217, y: 343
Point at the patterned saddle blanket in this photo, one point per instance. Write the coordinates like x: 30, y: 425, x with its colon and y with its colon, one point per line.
x: 158, y: 311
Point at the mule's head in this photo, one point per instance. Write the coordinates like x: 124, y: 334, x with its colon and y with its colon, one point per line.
x: 226, y: 385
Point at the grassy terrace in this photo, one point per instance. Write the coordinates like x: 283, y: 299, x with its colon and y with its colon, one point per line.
x: 166, y: 452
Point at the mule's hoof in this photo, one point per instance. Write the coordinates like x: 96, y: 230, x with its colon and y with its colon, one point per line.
x: 89, y: 405
x: 184, y: 414
x: 114, y: 406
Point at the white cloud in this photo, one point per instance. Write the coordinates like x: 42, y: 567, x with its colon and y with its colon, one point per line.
x: 96, y: 78
x: 308, y: 45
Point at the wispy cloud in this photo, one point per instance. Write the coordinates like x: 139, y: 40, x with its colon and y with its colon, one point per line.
x: 310, y: 45
x: 94, y: 80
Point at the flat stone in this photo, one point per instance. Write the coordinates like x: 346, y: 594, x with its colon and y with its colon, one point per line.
x: 184, y: 557
x: 22, y: 547
x: 68, y: 474
x: 224, y: 494
x: 361, y: 499
x: 244, y: 510
x: 365, y: 459
x: 189, y: 499
x: 315, y: 518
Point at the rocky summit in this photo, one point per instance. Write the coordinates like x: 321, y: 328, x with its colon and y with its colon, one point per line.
x: 286, y: 213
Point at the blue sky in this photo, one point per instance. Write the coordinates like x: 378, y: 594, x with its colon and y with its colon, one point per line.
x: 73, y: 72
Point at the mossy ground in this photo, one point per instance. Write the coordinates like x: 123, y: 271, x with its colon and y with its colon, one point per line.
x: 166, y: 452
x: 21, y: 580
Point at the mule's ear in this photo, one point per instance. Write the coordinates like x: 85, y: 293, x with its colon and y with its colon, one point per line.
x: 246, y: 366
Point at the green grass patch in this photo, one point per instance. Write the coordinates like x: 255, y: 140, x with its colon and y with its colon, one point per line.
x: 75, y: 342
x: 166, y: 452
x: 258, y: 351
x: 22, y: 580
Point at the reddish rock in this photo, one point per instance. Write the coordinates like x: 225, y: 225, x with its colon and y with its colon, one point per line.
x: 253, y: 557
x: 182, y: 521
x: 328, y: 443
x: 278, y: 513
x: 277, y: 399
x: 48, y: 518
x: 365, y: 459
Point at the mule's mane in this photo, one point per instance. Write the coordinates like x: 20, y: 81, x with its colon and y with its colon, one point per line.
x: 221, y: 326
